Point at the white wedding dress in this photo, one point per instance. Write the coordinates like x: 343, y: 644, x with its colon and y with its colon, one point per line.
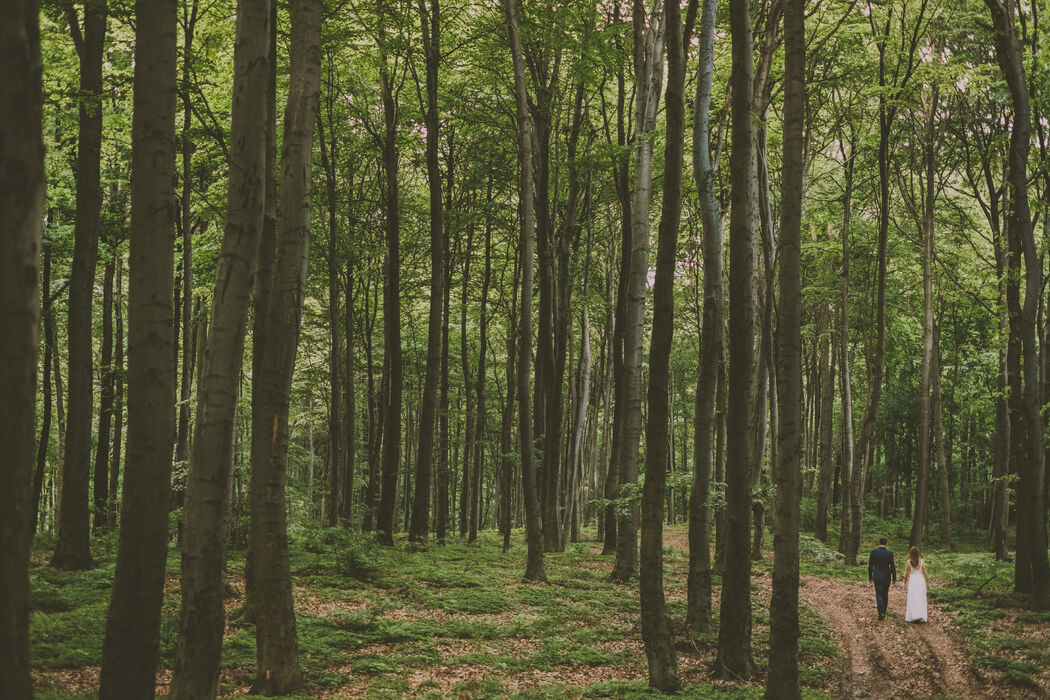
x: 916, y: 609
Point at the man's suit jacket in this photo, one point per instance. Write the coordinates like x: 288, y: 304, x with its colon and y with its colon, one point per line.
x: 880, y: 565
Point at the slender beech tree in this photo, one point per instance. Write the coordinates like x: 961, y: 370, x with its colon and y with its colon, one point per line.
x: 783, y: 680
x: 22, y: 210
x: 74, y: 525
x: 130, y: 652
x: 118, y: 391
x: 49, y: 354
x: 734, y: 639
x: 277, y: 667
x: 329, y: 151
x: 656, y: 623
x: 430, y: 20
x: 892, y: 82
x: 928, y: 377
x: 712, y: 349
x: 648, y: 26
x: 392, y: 359
x: 105, y: 403
x: 534, y: 569
x: 201, y: 620
x: 185, y: 225
x: 1032, y: 568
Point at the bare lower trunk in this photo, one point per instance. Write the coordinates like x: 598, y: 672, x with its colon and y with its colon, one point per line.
x: 534, y: 569
x: 202, y: 620
x: 74, y: 527
x: 130, y: 649
x: 656, y: 624
x: 648, y: 38
x: 431, y: 31
x: 277, y: 669
x: 784, y: 681
x: 22, y: 209
x: 734, y: 641
x: 712, y: 350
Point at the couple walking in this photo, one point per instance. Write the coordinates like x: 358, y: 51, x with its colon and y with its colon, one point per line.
x: 881, y: 572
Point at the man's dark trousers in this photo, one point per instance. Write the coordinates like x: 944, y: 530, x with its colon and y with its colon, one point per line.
x: 882, y: 593
x: 881, y: 572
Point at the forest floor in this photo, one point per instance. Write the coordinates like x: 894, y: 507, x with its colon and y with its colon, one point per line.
x: 458, y: 621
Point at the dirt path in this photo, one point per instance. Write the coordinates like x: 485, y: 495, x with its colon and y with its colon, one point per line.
x: 892, y: 658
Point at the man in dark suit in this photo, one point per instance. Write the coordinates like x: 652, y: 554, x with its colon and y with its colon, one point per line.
x: 881, y: 572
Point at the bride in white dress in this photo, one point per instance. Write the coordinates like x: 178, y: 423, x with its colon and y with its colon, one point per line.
x: 916, y: 581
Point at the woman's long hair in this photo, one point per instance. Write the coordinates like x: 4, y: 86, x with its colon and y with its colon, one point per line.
x: 913, y: 557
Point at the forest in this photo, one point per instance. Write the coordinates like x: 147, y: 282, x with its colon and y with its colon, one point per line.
x: 515, y: 349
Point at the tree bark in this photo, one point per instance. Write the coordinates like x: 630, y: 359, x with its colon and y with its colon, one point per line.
x: 648, y: 51
x: 131, y: 648
x: 118, y: 394
x: 329, y: 151
x: 1031, y: 511
x: 507, y: 427
x: 277, y: 669
x: 534, y: 569
x: 938, y: 437
x: 74, y: 527
x: 430, y: 21
x: 712, y: 349
x: 45, y: 419
x: 783, y: 680
x: 22, y: 183
x: 203, y: 543
x: 734, y: 640
x: 657, y: 633
x: 105, y: 408
x: 999, y: 525
x: 479, y: 428
x: 391, y: 309
x: 182, y: 440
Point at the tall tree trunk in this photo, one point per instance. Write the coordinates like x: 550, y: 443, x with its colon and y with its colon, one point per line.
x: 45, y: 419
x: 999, y: 525
x: 182, y: 440
x: 734, y: 640
x: 346, y: 496
x: 329, y: 152
x: 479, y: 428
x: 131, y: 647
x: 657, y: 633
x: 391, y: 309
x: 825, y: 424
x: 203, y: 543
x: 375, y: 415
x: 1031, y: 511
x: 22, y: 185
x: 648, y: 51
x: 74, y: 527
x: 712, y: 349
x: 783, y: 680
x: 118, y: 394
x: 930, y: 380
x: 430, y: 21
x: 507, y: 427
x: 466, y: 482
x: 105, y: 407
x: 623, y: 194
x: 534, y: 569
x: 468, y: 420
x: 277, y: 669
x: 442, y: 482
x: 938, y: 437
